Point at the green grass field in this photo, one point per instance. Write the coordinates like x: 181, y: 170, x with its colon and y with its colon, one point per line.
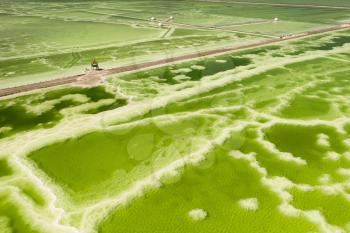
x: 251, y: 141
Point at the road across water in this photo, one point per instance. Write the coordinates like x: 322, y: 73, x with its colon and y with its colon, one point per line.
x: 144, y: 65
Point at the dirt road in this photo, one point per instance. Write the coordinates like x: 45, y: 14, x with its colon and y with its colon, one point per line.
x: 135, y: 67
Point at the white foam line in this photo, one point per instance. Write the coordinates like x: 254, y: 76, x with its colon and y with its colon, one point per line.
x: 279, y: 185
x: 38, y: 220
x: 138, y: 189
x: 216, y: 95
x: 286, y: 98
x: 166, y: 119
x: 132, y: 110
x: 47, y: 189
x: 285, y: 156
x: 82, y: 125
x: 336, y: 124
x: 251, y: 158
x: 47, y: 192
x: 125, y: 113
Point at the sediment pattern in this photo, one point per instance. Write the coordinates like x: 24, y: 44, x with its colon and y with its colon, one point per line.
x: 253, y: 141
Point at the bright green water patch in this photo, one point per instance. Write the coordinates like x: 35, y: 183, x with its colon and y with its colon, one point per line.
x: 259, y: 91
x: 17, y: 117
x: 5, y: 169
x: 262, y: 50
x: 317, y: 164
x: 319, y: 66
x: 94, y: 93
x: 319, y: 43
x: 116, y: 104
x: 290, y: 137
x: 11, y: 218
x: 274, y: 165
x: 336, y: 42
x: 332, y: 206
x: 306, y: 107
x: 44, y: 110
x: 320, y: 146
x: 276, y: 149
x: 324, y: 100
x: 34, y: 194
x: 216, y: 188
x: 117, y: 158
x: 335, y: 89
x: 194, y: 71
x: 151, y: 83
x: 30, y: 192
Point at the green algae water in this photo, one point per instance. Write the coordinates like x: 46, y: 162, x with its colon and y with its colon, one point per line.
x: 271, y: 144
x: 45, y: 110
x: 249, y: 141
x: 212, y: 187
